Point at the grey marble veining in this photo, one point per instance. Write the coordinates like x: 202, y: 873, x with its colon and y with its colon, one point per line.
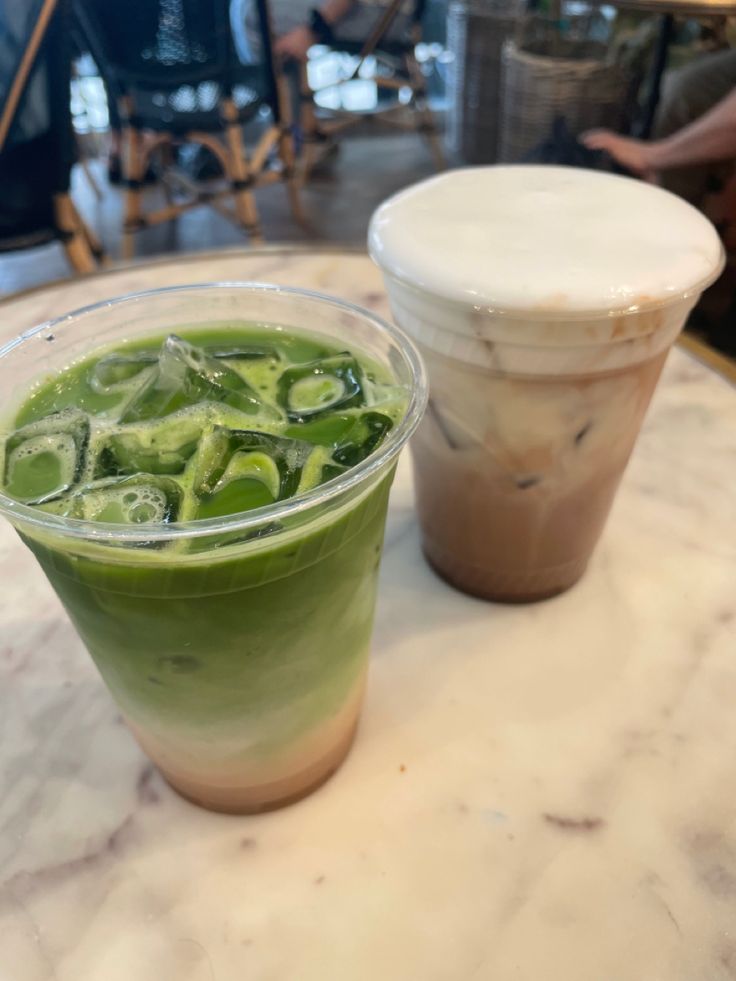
x: 542, y: 792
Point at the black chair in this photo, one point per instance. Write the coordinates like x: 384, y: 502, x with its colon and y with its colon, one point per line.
x: 36, y: 136
x: 396, y: 69
x: 171, y: 67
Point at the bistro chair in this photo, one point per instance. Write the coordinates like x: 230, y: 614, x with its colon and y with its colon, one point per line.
x: 37, y: 144
x: 171, y: 68
x: 396, y: 70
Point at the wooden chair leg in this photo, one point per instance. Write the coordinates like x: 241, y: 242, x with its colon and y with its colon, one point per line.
x: 311, y: 133
x: 427, y: 124
x: 133, y: 171
x: 75, y: 235
x: 95, y: 245
x: 291, y: 177
x: 240, y: 175
x: 286, y: 147
x: 87, y: 171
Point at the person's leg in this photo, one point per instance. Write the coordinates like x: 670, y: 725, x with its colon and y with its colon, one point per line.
x: 688, y: 93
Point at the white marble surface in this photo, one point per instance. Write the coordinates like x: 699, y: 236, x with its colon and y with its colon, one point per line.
x: 543, y: 792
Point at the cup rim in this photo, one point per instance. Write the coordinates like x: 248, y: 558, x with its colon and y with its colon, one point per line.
x: 537, y: 315
x: 111, y: 533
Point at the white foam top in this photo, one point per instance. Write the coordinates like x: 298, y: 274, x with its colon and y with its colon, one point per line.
x: 545, y: 239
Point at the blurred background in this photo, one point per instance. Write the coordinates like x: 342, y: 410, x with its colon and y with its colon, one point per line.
x: 150, y: 127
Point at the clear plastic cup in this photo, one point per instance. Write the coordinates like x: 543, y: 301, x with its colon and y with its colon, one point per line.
x: 533, y: 412
x: 236, y: 647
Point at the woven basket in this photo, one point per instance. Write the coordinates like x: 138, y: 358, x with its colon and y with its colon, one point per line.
x: 476, y: 31
x: 575, y: 82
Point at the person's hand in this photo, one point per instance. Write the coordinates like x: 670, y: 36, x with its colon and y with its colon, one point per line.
x: 295, y: 44
x: 634, y: 155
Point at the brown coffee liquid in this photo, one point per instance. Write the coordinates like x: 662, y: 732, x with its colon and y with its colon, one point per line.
x: 515, y: 476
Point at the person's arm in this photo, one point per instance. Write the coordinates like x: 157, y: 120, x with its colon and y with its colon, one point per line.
x: 297, y: 43
x: 710, y: 138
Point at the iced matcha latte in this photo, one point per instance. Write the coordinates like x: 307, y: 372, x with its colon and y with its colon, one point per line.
x: 208, y: 501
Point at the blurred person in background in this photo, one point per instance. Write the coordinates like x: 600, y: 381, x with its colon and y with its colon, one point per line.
x: 693, y: 154
x: 694, y: 145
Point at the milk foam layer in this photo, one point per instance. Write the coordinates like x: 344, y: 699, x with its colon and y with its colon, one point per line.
x: 547, y: 242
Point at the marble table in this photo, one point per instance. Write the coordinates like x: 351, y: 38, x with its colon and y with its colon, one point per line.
x: 536, y: 793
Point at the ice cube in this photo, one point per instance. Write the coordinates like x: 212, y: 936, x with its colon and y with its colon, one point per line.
x: 305, y: 390
x: 45, y: 459
x: 328, y: 430
x: 351, y: 435
x: 141, y: 499
x: 186, y: 376
x: 330, y: 471
x: 158, y: 447
x: 238, y: 470
x: 362, y: 439
x: 120, y: 372
x: 389, y: 398
x: 242, y: 352
x: 214, y: 454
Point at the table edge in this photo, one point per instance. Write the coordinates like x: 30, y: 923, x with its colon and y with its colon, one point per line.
x: 185, y: 258
x: 708, y: 356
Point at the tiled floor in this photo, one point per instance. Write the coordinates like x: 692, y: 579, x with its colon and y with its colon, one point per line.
x: 339, y: 203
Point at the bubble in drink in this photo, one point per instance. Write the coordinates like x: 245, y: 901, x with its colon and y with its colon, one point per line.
x: 44, y: 459
x: 137, y: 500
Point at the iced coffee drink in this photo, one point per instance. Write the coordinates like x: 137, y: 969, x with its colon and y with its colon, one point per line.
x: 544, y: 301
